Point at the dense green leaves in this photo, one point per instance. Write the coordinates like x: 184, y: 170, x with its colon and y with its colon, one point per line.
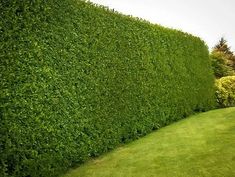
x: 225, y: 91
x: 77, y: 80
x: 219, y: 65
x: 223, y: 59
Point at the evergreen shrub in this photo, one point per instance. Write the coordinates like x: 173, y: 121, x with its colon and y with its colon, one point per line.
x: 225, y: 91
x: 78, y: 79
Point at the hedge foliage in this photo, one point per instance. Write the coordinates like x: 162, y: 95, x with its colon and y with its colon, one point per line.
x: 225, y: 91
x: 78, y: 79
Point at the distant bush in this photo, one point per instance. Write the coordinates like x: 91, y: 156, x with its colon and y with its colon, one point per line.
x: 77, y: 80
x: 220, y: 65
x: 223, y: 52
x: 225, y: 91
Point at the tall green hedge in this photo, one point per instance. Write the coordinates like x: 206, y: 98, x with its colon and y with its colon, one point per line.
x: 78, y: 79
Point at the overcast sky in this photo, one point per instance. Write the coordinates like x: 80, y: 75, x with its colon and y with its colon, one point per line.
x: 208, y: 19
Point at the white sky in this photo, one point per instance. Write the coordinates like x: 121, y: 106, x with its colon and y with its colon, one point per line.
x: 208, y: 19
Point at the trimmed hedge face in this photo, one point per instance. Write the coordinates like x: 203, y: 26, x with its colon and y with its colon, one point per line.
x: 77, y: 80
x: 225, y: 91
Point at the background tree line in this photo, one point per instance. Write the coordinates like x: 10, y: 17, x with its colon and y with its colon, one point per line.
x: 223, y: 64
x: 223, y: 59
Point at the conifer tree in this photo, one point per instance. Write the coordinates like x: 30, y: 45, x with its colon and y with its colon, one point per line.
x: 222, y: 55
x: 223, y: 47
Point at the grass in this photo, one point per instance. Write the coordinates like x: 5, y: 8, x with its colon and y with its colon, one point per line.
x: 202, y: 145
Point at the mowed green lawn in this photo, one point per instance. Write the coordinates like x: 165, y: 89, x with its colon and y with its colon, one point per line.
x: 202, y: 145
